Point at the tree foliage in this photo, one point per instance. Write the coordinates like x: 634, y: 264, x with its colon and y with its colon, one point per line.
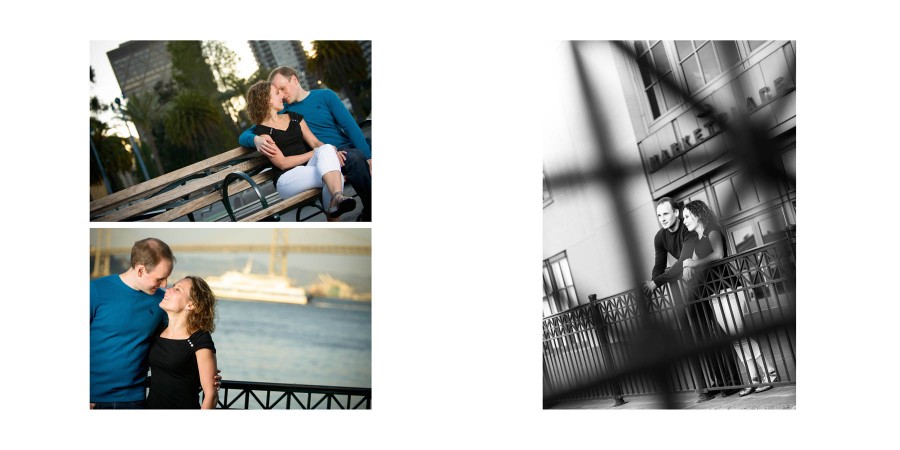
x: 194, y: 122
x: 144, y: 111
x: 342, y: 66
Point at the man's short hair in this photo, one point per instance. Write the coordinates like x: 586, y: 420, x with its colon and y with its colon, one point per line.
x: 284, y: 71
x: 149, y: 252
x: 675, y: 206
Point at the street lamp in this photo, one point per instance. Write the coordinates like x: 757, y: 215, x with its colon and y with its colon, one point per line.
x: 137, y: 151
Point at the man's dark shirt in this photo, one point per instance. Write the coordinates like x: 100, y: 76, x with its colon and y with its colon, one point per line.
x: 677, y: 244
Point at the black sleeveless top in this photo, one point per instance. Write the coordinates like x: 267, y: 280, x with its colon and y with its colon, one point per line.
x: 290, y: 141
x: 174, y: 375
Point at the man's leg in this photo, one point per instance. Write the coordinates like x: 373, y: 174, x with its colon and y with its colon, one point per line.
x: 356, y: 169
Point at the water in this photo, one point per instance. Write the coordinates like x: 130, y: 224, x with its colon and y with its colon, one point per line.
x: 327, y: 342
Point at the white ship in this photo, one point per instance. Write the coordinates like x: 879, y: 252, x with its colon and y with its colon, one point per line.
x: 243, y: 285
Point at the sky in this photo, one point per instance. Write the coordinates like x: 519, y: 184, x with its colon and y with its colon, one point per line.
x: 358, y: 268
x: 106, y: 87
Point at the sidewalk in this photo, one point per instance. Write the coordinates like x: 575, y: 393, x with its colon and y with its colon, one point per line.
x: 780, y: 397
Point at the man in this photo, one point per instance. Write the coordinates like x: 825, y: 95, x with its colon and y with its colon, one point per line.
x: 331, y: 123
x: 674, y: 239
x: 125, y: 318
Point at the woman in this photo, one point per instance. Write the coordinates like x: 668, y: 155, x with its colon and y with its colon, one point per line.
x: 297, y: 166
x: 183, y: 357
x: 730, y: 308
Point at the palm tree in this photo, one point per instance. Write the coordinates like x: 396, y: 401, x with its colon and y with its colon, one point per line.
x: 143, y: 110
x: 194, y: 122
x: 342, y: 66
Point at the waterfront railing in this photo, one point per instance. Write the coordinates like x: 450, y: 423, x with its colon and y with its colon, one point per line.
x: 681, y: 337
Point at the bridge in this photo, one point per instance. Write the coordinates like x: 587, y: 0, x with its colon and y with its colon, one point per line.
x: 278, y: 250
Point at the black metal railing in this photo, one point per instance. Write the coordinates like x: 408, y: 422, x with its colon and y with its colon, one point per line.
x: 678, y: 337
x: 257, y: 395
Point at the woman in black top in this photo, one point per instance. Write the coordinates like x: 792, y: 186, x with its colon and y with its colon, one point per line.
x: 297, y: 166
x: 183, y: 356
x: 731, y: 306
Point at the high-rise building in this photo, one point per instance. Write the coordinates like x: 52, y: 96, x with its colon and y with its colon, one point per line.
x: 139, y: 65
x: 272, y: 54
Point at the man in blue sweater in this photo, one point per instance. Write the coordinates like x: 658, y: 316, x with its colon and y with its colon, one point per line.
x: 125, y: 318
x: 331, y: 123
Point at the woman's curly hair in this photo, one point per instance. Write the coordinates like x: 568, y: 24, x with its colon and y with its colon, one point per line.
x: 258, y: 101
x: 704, y: 215
x: 204, y: 315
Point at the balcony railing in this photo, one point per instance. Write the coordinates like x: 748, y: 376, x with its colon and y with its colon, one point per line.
x: 678, y: 337
x: 256, y: 395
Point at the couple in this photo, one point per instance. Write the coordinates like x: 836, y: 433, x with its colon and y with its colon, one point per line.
x: 135, y: 323
x: 311, y: 140
x: 696, y: 240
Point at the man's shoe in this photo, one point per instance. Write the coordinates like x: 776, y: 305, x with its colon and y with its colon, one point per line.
x: 747, y: 391
x: 705, y: 397
x: 764, y: 388
x: 727, y: 392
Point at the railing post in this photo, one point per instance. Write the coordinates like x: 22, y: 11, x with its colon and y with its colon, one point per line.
x: 605, y: 349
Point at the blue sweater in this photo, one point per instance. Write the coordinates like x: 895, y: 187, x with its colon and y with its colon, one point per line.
x: 327, y: 118
x: 123, y: 324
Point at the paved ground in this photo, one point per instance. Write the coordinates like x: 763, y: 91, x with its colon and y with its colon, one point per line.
x: 779, y: 397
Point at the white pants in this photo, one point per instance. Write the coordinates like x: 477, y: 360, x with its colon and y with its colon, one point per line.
x: 729, y: 311
x: 304, y: 178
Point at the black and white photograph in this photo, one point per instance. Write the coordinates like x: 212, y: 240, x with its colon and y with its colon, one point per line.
x: 669, y: 232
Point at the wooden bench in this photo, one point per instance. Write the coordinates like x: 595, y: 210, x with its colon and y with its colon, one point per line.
x: 185, y: 191
x: 221, y: 178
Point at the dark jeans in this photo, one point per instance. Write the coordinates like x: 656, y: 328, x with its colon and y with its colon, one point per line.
x: 139, y: 404
x: 356, y: 169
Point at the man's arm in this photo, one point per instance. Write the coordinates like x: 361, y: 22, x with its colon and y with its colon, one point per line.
x: 263, y: 143
x: 348, y: 124
x: 659, y: 265
x: 246, y: 139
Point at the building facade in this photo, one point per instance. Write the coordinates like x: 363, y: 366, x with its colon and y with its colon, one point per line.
x: 139, y: 65
x: 669, y: 110
x: 272, y: 54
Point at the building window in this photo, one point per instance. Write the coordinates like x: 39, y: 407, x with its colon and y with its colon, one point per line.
x: 701, y: 61
x: 755, y: 44
x: 657, y: 78
x: 548, y: 199
x: 559, y: 287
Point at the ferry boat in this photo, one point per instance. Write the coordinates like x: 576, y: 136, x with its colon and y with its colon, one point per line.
x: 244, y: 285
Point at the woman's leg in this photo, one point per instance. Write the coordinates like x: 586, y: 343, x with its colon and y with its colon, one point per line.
x: 328, y: 165
x: 297, y: 180
x: 729, y: 314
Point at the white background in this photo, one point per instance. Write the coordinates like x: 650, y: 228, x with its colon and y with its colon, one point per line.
x: 457, y: 230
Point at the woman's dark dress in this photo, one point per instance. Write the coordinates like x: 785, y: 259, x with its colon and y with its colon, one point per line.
x: 174, y: 375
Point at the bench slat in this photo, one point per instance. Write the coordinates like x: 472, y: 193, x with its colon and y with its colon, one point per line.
x: 282, y: 205
x: 208, y: 199
x: 181, y: 191
x: 117, y: 198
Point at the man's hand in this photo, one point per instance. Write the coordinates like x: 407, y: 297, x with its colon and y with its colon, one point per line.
x: 649, y: 286
x: 265, y: 145
x: 687, y: 273
x: 342, y: 156
x: 92, y: 405
x: 370, y: 167
x: 218, y: 379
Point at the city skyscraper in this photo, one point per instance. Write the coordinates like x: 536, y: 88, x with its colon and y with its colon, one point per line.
x: 138, y: 65
x: 272, y: 54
